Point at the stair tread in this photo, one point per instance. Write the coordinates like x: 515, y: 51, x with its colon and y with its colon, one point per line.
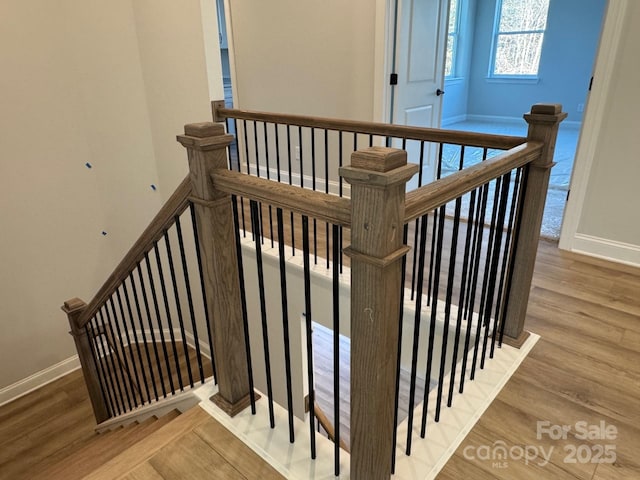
x: 131, y: 458
x: 102, y: 448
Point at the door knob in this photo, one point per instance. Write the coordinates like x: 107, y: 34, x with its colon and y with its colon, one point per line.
x: 439, y: 92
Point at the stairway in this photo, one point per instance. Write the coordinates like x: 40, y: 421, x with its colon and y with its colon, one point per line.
x: 82, y: 460
x: 188, y: 445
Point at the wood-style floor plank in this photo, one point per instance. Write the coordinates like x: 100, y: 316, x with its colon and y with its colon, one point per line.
x: 585, y: 367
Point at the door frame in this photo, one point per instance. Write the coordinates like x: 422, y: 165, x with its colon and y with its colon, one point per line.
x: 596, y: 103
x: 610, y: 37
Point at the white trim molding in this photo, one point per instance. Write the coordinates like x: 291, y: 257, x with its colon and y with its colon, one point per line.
x: 39, y: 379
x: 607, y: 249
x: 605, y: 61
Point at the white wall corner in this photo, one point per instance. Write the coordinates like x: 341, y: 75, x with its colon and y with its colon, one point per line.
x: 39, y: 379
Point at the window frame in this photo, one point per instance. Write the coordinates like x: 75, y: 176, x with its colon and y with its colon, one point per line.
x: 456, y: 40
x: 524, y: 77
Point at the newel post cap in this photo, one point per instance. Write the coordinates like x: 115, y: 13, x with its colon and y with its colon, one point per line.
x: 545, y: 113
x: 204, y: 136
x: 378, y: 166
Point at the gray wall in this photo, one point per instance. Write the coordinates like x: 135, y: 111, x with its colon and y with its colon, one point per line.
x: 304, y: 57
x: 80, y: 81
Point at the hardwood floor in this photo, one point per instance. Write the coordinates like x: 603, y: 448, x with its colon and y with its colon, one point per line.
x: 586, y: 367
x: 45, y: 426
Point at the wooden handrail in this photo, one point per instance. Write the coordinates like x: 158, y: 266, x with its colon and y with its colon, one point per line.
x: 176, y: 204
x: 318, y: 205
x: 455, y: 137
x: 433, y: 195
x: 328, y: 426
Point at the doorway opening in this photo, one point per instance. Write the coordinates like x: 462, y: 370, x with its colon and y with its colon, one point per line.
x: 498, y: 58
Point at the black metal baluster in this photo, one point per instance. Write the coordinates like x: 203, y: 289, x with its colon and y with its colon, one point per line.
x: 405, y: 237
x: 111, y: 366
x: 336, y: 348
x: 187, y: 283
x: 475, y: 239
x: 416, y: 331
x: 313, y: 186
x: 482, y: 320
x: 194, y: 224
x: 235, y: 126
x: 463, y: 283
x: 421, y: 163
x: 285, y: 321
x: 475, y: 271
x: 504, y: 193
x: 143, y: 333
x: 151, y: 332
x: 309, y: 329
x: 301, y: 156
x: 503, y: 269
x: 435, y: 222
x: 326, y: 186
x: 137, y: 343
x: 340, y: 190
x: 414, y: 259
x: 434, y: 316
x: 516, y: 234
x: 123, y: 362
x: 447, y: 306
x: 246, y: 146
x: 95, y: 353
x: 138, y: 386
x: 266, y: 156
x: 263, y: 313
x: 154, y: 298
x: 277, y: 139
x: 243, y: 301
x: 167, y: 312
x: 229, y: 156
x: 176, y: 296
x: 293, y: 229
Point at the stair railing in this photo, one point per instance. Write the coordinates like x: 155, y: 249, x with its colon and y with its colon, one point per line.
x: 376, y: 213
x: 141, y: 339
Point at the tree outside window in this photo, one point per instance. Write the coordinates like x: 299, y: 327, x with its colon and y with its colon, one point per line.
x: 518, y: 34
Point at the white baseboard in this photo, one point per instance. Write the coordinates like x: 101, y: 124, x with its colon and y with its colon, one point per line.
x: 38, y: 379
x: 514, y: 120
x: 612, y: 250
x: 451, y: 120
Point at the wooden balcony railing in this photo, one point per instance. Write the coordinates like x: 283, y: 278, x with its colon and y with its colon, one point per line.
x: 378, y: 214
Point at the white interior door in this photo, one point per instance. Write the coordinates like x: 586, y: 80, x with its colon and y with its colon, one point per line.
x: 420, y: 53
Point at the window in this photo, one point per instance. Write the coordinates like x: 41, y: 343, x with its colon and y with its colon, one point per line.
x: 452, y: 38
x: 517, y: 37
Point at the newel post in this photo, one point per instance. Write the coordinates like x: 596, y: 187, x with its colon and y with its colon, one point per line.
x: 206, y: 145
x: 74, y: 308
x: 377, y: 176
x: 543, y: 121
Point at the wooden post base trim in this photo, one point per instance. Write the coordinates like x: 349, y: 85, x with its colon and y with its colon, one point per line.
x: 516, y: 342
x: 377, y: 262
x: 232, y: 409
